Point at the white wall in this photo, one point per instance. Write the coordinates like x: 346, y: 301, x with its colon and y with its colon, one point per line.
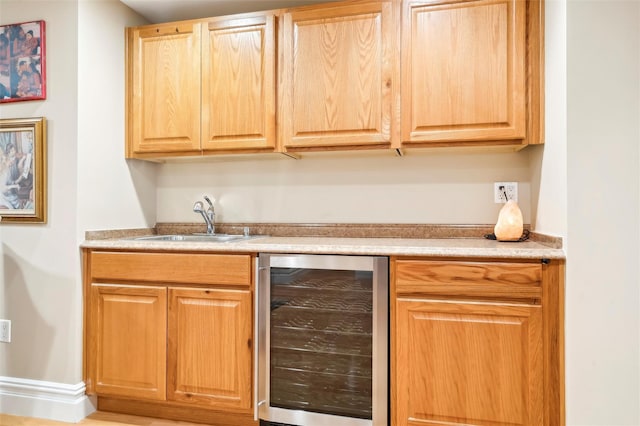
x: 421, y: 187
x: 603, y: 144
x: 39, y: 291
x: 112, y: 193
x: 549, y: 162
x: 90, y: 186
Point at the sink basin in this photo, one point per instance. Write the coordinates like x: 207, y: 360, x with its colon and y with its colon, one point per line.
x: 200, y: 238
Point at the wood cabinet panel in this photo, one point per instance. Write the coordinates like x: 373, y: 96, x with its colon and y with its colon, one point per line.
x: 238, y: 83
x: 165, y: 88
x: 468, y: 363
x: 193, y: 268
x: 459, y: 278
x: 129, y: 340
x: 336, y: 76
x: 463, y: 71
x: 210, y: 365
x: 553, y: 307
x: 535, y: 72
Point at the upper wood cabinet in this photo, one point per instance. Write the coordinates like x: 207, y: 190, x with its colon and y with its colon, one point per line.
x: 164, y: 89
x: 464, y: 72
x: 238, y: 84
x: 202, y: 86
x: 342, y: 75
x: 337, y: 76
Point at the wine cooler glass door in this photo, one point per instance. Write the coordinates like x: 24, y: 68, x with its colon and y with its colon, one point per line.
x: 323, y: 343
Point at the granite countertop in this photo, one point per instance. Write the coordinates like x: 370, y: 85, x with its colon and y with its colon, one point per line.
x: 442, y: 247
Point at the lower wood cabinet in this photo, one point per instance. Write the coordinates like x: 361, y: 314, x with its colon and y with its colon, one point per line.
x: 476, y: 342
x: 129, y: 340
x: 473, y: 341
x: 210, y: 347
x: 157, y: 346
x: 470, y: 363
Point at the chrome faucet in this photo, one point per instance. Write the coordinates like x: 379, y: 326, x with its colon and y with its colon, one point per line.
x: 209, y: 215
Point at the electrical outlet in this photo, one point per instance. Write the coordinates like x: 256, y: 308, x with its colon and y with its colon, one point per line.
x: 5, y: 331
x: 505, y: 191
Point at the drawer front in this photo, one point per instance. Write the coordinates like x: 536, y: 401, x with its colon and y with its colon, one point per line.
x: 491, y: 279
x: 192, y: 268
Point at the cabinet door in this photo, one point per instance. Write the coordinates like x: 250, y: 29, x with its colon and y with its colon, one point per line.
x: 463, y: 71
x: 165, y: 88
x: 468, y: 363
x: 129, y: 344
x: 336, y: 76
x: 210, y: 347
x: 238, y: 83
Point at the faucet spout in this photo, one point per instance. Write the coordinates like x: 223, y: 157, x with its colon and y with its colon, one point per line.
x: 208, y: 215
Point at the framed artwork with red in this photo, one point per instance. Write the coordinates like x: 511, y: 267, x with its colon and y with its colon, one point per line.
x: 22, y: 62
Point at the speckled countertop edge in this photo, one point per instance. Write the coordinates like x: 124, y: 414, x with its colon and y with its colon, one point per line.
x: 407, y: 240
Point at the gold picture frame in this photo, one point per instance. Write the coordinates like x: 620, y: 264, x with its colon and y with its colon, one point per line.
x: 23, y: 170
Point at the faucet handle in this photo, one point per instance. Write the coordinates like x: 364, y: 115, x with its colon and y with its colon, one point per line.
x: 208, y: 202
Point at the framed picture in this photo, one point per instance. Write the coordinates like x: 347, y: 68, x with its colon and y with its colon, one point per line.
x: 22, y: 62
x: 23, y: 170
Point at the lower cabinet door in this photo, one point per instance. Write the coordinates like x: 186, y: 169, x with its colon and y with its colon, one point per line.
x: 210, y: 348
x: 129, y: 341
x: 468, y: 363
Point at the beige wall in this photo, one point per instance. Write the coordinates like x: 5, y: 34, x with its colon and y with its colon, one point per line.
x: 421, y: 187
x: 603, y: 169
x: 90, y: 184
x: 39, y: 264
x: 549, y: 162
x: 112, y: 193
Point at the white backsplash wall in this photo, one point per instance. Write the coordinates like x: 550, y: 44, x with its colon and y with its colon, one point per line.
x: 427, y: 186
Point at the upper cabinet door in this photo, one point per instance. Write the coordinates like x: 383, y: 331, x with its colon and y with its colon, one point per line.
x: 463, y: 71
x: 164, y: 111
x: 336, y: 76
x: 238, y: 83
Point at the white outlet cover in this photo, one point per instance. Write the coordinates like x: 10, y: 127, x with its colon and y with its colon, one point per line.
x: 499, y: 190
x: 5, y: 331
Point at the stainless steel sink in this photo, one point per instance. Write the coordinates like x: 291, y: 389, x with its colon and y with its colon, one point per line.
x: 200, y: 238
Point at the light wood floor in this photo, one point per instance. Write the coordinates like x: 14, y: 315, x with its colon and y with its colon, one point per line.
x: 96, y: 419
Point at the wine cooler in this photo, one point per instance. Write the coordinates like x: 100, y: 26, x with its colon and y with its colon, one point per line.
x: 322, y: 340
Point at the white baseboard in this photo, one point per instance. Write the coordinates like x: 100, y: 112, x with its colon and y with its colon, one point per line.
x: 44, y: 400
